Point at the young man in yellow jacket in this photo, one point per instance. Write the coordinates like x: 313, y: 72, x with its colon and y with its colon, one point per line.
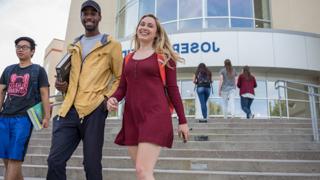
x: 96, y: 63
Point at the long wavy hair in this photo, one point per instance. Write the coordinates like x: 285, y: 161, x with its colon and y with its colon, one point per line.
x: 246, y: 72
x: 202, y: 68
x: 161, y: 43
x: 228, y: 66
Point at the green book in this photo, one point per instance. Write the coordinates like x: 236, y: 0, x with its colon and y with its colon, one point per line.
x: 36, y: 115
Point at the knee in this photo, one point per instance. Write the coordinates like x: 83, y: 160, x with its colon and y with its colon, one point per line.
x: 141, y: 172
x: 55, y: 163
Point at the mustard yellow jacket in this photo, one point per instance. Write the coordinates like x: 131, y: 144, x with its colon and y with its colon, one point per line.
x: 95, y: 78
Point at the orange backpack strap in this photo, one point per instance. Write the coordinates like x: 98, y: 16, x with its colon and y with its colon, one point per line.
x: 127, y: 57
x: 162, y: 69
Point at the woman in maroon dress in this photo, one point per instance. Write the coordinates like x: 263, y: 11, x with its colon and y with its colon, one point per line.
x: 147, y: 123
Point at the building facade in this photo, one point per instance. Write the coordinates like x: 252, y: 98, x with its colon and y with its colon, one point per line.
x: 278, y: 39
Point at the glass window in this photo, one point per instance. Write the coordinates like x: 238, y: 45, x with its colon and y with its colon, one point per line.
x: 242, y: 23
x: 146, y: 7
x: 261, y: 90
x: 273, y: 93
x: 122, y: 3
x: 299, y: 109
x: 121, y: 25
x: 215, y: 106
x: 217, y: 7
x: 274, y: 107
x: 261, y: 9
x: 259, y: 108
x: 190, y: 8
x: 187, y: 88
x: 241, y: 8
x: 170, y: 27
x: 262, y: 24
x: 131, y: 20
x: 190, y: 24
x: 215, y: 88
x: 217, y: 23
x: 167, y: 10
x: 189, y: 106
x: 297, y: 95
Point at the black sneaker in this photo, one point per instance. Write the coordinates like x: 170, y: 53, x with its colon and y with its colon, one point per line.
x: 203, y: 120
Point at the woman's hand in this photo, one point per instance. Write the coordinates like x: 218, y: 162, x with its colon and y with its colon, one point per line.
x: 183, y: 132
x: 112, y: 104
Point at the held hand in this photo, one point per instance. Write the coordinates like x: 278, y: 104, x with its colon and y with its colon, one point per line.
x: 183, y: 132
x: 45, y: 122
x: 61, y: 86
x: 112, y: 104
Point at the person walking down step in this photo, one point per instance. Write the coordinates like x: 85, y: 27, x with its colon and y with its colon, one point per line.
x: 148, y: 81
x: 96, y: 64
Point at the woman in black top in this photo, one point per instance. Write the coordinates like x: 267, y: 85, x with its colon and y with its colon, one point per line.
x: 202, y: 79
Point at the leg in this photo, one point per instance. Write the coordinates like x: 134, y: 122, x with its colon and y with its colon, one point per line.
x: 93, y: 138
x: 4, y: 145
x: 14, y: 171
x: 244, y: 105
x: 231, y: 100
x: 133, y: 151
x: 201, y: 95
x: 5, y: 162
x: 146, y: 160
x: 249, y: 106
x: 225, y: 104
x: 206, y: 97
x: 65, y: 139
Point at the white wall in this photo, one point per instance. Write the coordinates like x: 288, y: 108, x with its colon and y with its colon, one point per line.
x: 253, y: 48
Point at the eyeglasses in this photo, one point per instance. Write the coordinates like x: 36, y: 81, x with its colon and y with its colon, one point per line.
x: 22, y: 47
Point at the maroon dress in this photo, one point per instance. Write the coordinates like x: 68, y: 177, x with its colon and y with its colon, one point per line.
x: 147, y: 117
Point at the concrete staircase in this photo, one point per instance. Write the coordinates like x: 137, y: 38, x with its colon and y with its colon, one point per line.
x: 237, y: 149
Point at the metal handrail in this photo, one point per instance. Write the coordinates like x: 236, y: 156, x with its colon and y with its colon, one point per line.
x: 312, y: 101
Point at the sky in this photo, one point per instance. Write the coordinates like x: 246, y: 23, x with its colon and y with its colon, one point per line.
x: 42, y: 20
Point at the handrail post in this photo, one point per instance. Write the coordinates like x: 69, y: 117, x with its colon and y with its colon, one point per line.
x: 313, y: 112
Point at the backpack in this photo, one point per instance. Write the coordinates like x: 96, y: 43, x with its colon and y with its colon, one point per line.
x: 203, y: 79
x: 162, y: 70
x: 35, y: 89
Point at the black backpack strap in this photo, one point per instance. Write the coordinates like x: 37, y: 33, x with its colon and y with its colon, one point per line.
x: 35, y: 88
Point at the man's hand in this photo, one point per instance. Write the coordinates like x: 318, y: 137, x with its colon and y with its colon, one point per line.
x: 61, y: 86
x: 45, y: 122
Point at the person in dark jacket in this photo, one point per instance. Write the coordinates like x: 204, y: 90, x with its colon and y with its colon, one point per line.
x: 203, y: 79
x: 246, y: 84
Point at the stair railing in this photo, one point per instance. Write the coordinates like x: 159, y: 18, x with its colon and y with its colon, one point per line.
x: 312, y: 101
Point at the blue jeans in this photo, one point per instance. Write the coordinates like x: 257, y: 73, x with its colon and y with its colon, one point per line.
x: 245, y: 105
x: 203, y: 93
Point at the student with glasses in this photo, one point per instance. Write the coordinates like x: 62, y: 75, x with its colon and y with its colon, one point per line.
x: 22, y: 86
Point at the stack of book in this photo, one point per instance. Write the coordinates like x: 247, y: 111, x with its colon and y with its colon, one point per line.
x: 36, y: 115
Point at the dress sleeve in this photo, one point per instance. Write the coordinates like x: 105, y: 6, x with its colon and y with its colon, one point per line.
x: 173, y: 91
x: 120, y: 93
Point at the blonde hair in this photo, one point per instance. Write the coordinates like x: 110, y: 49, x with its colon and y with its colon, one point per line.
x: 228, y: 66
x: 161, y: 43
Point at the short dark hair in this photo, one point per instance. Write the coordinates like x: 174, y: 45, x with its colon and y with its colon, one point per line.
x: 30, y: 40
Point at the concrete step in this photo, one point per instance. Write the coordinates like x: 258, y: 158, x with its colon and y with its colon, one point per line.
x: 204, y: 164
x: 218, y: 145
x: 229, y: 130
x: 76, y: 173
x: 236, y: 125
x: 234, y: 120
x: 201, y: 153
x: 216, y: 137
